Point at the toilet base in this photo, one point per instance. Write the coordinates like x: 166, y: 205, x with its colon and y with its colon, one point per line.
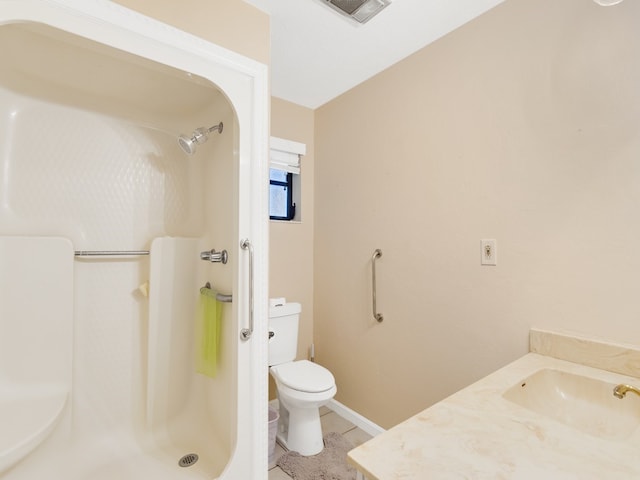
x: 299, y: 430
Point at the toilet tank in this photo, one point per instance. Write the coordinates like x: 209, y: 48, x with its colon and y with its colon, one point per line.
x: 283, y: 322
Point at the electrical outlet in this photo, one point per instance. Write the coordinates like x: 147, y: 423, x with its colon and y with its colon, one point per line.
x: 489, y: 252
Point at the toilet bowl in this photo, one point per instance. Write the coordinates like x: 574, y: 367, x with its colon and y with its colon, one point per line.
x: 302, y: 386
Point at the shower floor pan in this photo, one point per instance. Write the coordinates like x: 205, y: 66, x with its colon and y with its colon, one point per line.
x: 119, y: 453
x: 115, y: 455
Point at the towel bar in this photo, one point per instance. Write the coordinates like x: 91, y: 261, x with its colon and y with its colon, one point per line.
x: 110, y: 253
x: 221, y: 297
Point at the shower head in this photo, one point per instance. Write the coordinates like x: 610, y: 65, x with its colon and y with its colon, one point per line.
x: 200, y: 135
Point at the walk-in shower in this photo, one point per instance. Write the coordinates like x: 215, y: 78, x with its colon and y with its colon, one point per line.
x: 200, y: 135
x: 102, y: 312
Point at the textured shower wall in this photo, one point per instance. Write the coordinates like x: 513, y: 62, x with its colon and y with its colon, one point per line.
x: 221, y: 232
x: 103, y: 183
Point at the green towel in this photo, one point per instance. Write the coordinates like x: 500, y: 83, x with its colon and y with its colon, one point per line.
x: 208, y: 333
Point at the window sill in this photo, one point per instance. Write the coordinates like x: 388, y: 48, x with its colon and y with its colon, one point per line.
x: 297, y: 222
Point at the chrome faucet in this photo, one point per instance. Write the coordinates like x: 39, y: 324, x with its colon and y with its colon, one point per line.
x: 215, y: 257
x: 621, y: 390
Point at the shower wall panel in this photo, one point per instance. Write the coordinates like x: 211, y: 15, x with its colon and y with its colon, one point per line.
x: 36, y: 331
x: 88, y: 153
x: 221, y: 232
x: 104, y: 183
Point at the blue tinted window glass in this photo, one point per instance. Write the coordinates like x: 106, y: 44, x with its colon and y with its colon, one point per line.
x: 281, y: 206
x: 277, y: 175
x: 277, y: 201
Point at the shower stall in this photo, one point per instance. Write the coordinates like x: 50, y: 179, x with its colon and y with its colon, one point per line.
x: 116, y: 221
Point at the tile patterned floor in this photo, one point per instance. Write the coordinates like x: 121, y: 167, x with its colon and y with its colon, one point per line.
x: 331, y: 422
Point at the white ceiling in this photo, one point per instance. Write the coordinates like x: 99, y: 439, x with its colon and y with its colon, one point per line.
x: 318, y: 54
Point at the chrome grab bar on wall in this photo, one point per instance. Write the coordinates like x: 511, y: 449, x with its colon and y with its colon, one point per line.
x: 377, y: 254
x: 245, y: 333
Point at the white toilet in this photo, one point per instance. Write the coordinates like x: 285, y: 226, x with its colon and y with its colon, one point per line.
x: 303, y: 386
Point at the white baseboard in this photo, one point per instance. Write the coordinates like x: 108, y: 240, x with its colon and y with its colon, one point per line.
x: 348, y: 414
x: 355, y: 418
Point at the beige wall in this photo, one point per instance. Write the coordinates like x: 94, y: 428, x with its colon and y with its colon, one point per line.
x: 291, y: 244
x: 523, y: 126
x: 232, y: 24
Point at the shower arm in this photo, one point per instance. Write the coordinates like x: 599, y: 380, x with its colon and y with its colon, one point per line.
x: 201, y: 134
x: 214, y: 128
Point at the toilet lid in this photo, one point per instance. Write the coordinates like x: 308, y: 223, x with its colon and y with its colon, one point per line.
x: 304, y: 376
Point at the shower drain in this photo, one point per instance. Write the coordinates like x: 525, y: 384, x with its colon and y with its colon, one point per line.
x: 188, y: 460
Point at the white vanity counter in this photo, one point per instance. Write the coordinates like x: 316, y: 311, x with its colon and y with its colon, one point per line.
x: 479, y: 434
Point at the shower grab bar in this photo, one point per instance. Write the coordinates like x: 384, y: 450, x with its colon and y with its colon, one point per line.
x: 245, y: 333
x: 221, y: 297
x: 377, y: 254
x: 215, y: 257
x: 110, y: 253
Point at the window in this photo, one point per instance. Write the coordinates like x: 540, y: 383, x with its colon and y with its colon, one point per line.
x: 284, y: 179
x: 281, y: 206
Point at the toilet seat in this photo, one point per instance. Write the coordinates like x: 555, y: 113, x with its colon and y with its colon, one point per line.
x: 304, y: 376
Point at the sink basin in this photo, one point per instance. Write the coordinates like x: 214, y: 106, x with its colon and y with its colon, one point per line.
x: 583, y: 403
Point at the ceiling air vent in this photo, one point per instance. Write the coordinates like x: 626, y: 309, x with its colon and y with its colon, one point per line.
x: 359, y: 10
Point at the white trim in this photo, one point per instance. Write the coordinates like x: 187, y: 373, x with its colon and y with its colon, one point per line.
x: 355, y: 418
x: 288, y: 162
x: 345, y: 412
x: 288, y: 146
x: 285, y: 155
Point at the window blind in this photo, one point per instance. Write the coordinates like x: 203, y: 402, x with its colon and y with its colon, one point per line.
x: 285, y: 155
